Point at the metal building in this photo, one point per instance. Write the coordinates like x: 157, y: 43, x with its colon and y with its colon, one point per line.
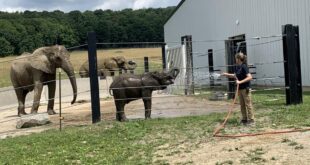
x: 259, y: 22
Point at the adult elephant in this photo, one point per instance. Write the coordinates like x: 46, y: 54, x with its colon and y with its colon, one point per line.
x: 108, y: 66
x: 129, y: 87
x: 32, y: 71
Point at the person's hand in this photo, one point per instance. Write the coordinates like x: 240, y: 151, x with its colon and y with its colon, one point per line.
x: 238, y: 82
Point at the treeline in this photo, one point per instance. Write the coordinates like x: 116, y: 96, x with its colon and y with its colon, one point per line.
x: 25, y: 31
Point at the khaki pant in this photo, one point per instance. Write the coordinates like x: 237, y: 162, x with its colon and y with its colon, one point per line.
x: 246, y: 104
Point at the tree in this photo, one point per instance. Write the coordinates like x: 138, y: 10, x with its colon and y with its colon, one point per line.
x: 5, y: 47
x: 26, y: 31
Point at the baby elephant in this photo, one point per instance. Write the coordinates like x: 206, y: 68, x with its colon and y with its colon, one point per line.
x: 129, y: 87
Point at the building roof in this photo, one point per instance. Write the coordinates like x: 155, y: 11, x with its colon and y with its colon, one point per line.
x: 175, y: 10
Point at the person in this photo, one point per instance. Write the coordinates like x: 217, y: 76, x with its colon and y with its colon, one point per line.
x: 243, y: 78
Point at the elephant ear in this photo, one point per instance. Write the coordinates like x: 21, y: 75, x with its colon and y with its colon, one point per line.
x: 42, y: 60
x: 156, y: 75
x: 120, y: 60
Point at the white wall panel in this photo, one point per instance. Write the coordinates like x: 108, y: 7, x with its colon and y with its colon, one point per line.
x: 216, y: 20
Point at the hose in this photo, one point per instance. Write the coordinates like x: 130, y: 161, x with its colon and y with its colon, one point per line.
x: 216, y: 132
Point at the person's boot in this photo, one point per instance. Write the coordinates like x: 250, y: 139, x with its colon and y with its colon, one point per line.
x: 251, y: 122
x: 243, y: 122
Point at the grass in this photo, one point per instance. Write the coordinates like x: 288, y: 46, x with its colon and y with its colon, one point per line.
x: 293, y: 144
x: 105, y: 143
x: 254, y: 157
x: 138, y: 141
x: 79, y: 57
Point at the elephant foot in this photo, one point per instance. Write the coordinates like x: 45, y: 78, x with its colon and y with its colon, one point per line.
x: 102, y: 77
x: 34, y: 112
x: 51, y: 112
x: 148, y: 118
x: 148, y: 114
x: 20, y: 114
x: 121, y: 118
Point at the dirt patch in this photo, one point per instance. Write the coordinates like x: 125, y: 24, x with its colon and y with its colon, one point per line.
x: 80, y: 113
x: 287, y: 149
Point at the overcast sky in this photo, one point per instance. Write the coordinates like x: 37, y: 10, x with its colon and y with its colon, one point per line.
x: 82, y: 5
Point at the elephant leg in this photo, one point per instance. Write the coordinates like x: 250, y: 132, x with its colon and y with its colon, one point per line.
x: 120, y: 113
x: 51, y: 97
x: 21, y: 97
x: 37, y: 96
x: 147, y: 106
x: 112, y: 73
x: 101, y: 74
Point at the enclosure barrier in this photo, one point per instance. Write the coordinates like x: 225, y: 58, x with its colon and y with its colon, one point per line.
x: 94, y: 85
x: 292, y: 68
x: 92, y: 54
x: 187, y: 40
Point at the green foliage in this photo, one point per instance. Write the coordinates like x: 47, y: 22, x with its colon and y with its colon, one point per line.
x: 5, y: 47
x: 25, y: 31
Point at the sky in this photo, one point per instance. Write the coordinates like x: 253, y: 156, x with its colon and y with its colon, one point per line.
x: 81, y: 5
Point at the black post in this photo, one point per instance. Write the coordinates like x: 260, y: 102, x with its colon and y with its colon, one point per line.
x: 187, y: 40
x: 146, y: 64
x: 163, y: 55
x: 93, y: 77
x: 211, y: 67
x: 292, y: 69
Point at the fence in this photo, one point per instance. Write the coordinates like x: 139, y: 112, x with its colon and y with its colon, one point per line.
x: 176, y: 56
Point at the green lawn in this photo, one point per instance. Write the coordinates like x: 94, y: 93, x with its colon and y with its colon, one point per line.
x: 136, y: 142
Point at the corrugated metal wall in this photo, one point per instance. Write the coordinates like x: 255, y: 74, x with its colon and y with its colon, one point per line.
x: 208, y: 20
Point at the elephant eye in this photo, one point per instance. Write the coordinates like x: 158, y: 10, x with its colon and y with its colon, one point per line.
x: 58, y: 59
x: 131, y: 62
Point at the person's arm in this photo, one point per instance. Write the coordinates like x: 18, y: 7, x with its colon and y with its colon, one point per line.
x: 248, y: 78
x: 229, y: 75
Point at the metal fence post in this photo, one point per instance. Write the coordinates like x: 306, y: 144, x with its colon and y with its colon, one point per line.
x: 146, y: 64
x: 59, y: 83
x: 93, y: 77
x: 292, y: 69
x: 211, y: 67
x: 187, y: 40
x: 163, y: 55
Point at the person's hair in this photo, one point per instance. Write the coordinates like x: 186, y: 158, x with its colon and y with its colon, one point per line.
x: 242, y: 57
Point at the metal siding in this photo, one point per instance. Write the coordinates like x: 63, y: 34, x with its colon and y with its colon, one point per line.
x: 215, y: 20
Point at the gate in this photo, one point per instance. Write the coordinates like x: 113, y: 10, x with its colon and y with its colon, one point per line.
x: 176, y: 57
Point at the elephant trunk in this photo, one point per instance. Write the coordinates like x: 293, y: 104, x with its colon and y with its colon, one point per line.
x: 174, y: 72
x: 68, y: 68
x: 130, y: 65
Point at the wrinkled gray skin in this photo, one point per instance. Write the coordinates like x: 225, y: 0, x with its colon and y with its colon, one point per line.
x: 129, y: 87
x: 108, y: 66
x: 32, y: 71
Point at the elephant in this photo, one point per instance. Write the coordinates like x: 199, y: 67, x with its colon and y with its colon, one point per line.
x: 107, y: 66
x: 129, y: 87
x: 32, y: 71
